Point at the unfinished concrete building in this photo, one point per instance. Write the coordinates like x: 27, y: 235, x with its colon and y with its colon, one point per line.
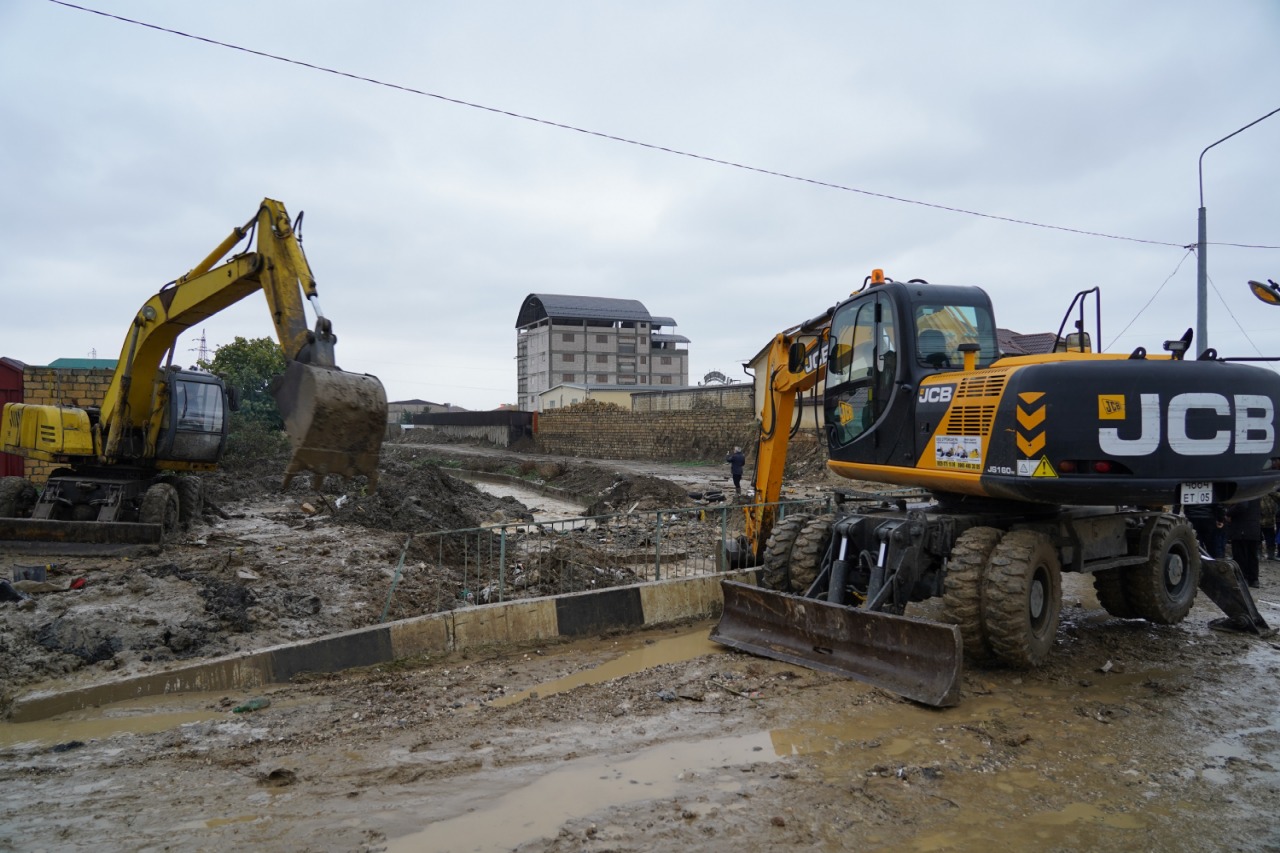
x: 596, y: 340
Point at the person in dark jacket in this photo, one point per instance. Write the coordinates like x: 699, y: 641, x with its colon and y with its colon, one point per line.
x: 1244, y: 529
x: 736, y: 462
x: 1209, y: 521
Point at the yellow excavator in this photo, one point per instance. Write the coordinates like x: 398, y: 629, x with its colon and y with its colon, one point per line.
x: 1022, y: 467
x: 126, y: 463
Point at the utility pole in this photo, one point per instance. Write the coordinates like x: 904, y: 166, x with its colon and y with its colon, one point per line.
x: 1202, y: 262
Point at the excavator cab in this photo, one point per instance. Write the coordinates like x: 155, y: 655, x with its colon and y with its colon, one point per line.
x: 883, y: 343
x: 195, y: 426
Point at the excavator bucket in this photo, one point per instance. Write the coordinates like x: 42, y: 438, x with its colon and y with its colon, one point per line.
x: 335, y: 421
x: 1224, y: 583
x: 915, y: 658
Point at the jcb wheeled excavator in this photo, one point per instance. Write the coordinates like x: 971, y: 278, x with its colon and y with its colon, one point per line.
x: 1026, y: 466
x: 121, y: 483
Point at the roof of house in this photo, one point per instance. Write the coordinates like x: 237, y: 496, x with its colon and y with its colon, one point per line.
x: 84, y: 363
x: 668, y: 339
x: 539, y: 306
x: 1035, y: 344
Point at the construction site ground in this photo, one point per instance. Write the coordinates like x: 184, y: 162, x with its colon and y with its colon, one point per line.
x: 1133, y: 737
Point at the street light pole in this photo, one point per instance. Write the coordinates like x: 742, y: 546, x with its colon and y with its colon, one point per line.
x: 1202, y: 263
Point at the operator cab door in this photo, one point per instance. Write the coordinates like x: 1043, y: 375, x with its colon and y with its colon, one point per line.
x: 868, y: 411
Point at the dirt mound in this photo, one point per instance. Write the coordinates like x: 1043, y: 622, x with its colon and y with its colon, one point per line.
x: 415, y: 496
x: 638, y: 492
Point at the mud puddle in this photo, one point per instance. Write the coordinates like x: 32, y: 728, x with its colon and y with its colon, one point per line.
x: 544, y: 507
x: 686, y: 644
x: 588, y: 786
x: 130, y: 717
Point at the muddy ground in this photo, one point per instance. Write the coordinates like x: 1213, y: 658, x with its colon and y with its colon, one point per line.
x: 1134, y: 737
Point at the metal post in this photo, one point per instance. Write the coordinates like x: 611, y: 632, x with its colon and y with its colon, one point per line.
x: 721, y: 561
x: 1202, y: 267
x: 1202, y: 278
x: 657, y: 548
x: 502, y: 564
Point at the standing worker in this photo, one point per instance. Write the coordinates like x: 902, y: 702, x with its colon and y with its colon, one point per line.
x: 1244, y: 530
x: 1269, y: 509
x: 736, y: 462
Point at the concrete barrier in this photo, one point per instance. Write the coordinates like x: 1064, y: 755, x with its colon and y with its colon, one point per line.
x: 528, y: 620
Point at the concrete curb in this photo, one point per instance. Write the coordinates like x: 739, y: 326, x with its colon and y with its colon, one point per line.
x: 526, y: 620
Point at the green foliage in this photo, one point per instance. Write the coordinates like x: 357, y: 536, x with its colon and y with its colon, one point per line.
x: 255, y: 437
x: 249, y: 366
x: 252, y: 444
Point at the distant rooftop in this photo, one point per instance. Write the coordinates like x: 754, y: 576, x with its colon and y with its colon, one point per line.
x: 84, y: 363
x: 540, y: 306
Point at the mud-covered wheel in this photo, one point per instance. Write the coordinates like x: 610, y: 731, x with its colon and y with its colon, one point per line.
x: 962, y: 588
x: 160, y: 506
x: 1022, y: 599
x: 807, y: 552
x: 1110, y: 589
x: 190, y: 499
x: 17, y: 497
x: 776, y: 571
x: 1163, y: 589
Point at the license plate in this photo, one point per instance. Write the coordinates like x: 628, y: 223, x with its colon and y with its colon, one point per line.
x: 1196, y: 493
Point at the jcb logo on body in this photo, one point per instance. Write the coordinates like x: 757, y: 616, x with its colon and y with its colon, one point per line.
x: 936, y: 394
x: 1248, y: 421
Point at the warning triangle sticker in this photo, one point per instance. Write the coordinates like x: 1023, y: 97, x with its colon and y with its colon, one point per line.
x: 1044, y: 469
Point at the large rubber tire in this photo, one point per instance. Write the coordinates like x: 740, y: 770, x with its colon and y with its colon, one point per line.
x: 775, y: 573
x: 807, y: 553
x: 160, y: 506
x: 190, y: 498
x: 17, y: 497
x: 962, y: 588
x: 1163, y: 589
x: 1110, y: 588
x: 1022, y: 599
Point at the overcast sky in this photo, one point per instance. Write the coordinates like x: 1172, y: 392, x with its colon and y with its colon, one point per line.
x: 128, y: 153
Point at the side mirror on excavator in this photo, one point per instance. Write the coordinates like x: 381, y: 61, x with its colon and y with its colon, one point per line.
x: 796, y: 356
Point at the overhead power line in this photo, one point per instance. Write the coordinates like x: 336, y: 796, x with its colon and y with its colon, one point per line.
x: 636, y: 142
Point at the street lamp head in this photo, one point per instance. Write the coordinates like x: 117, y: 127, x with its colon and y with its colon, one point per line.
x: 1268, y: 293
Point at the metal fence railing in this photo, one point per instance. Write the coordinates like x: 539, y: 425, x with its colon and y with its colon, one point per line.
x: 444, y: 570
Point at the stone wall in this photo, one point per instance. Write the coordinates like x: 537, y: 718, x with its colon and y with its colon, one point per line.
x: 737, y: 396
x: 80, y: 387
x: 590, y: 429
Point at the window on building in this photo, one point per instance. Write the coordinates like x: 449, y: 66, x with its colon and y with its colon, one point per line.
x: 602, y: 339
x: 626, y: 380
x: 602, y: 378
x: 567, y: 337
x: 551, y: 404
x: 567, y: 377
x: 664, y: 380
x: 566, y: 356
x: 601, y: 358
x: 666, y: 359
x: 644, y: 359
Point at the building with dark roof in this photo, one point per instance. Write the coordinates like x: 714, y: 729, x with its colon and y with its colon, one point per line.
x: 594, y: 340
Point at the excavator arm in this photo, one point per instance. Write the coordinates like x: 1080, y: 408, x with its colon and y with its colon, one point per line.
x: 335, y: 420
x: 796, y: 363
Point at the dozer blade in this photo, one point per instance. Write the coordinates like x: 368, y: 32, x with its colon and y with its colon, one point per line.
x: 335, y: 421
x: 44, y: 536
x: 915, y: 658
x: 1223, y: 582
